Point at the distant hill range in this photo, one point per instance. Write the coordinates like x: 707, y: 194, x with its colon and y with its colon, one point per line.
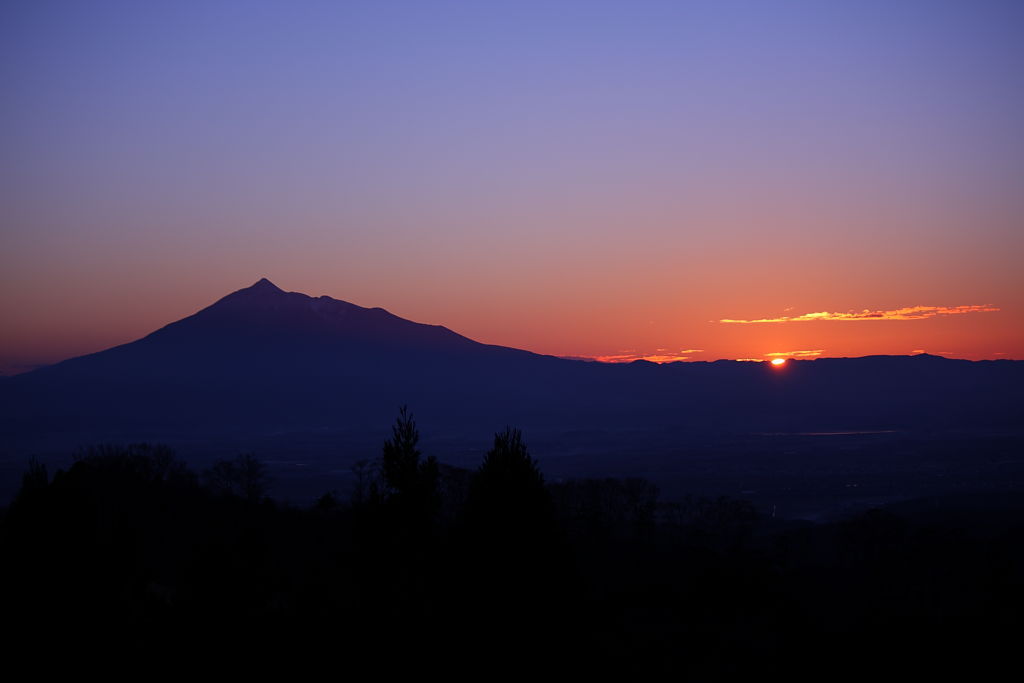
x: 265, y: 361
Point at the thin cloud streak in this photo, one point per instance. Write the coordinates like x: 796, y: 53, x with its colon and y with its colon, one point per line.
x: 809, y: 353
x: 627, y: 357
x: 908, y: 313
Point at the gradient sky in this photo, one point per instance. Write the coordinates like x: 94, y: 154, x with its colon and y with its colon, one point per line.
x: 602, y: 179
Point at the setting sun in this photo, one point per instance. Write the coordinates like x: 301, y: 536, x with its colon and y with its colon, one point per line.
x: 778, y: 361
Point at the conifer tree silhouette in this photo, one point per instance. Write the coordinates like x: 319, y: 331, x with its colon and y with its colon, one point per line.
x: 507, y: 497
x: 513, y: 559
x: 411, y: 482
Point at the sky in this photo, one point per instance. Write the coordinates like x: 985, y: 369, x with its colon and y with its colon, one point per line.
x: 614, y: 180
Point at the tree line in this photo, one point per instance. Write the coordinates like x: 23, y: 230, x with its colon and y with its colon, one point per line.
x: 493, y: 571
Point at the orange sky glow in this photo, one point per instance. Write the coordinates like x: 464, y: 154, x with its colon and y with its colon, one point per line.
x: 603, y: 180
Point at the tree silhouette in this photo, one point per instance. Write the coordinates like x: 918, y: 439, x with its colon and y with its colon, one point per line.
x: 367, y: 484
x: 507, y: 497
x: 245, y: 477
x: 33, y: 480
x: 514, y: 564
x: 411, y: 483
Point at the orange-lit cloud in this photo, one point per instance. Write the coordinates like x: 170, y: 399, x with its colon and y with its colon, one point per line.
x: 810, y: 353
x: 908, y: 313
x: 660, y: 356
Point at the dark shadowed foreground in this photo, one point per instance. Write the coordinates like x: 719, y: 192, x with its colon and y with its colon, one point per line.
x: 429, y: 569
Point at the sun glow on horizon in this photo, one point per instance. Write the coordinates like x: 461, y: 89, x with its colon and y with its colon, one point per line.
x: 778, y: 362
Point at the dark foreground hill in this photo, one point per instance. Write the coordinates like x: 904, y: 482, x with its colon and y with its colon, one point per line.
x: 306, y: 379
x: 127, y: 555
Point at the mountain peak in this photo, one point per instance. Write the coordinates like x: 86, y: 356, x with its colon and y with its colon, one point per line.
x: 265, y: 285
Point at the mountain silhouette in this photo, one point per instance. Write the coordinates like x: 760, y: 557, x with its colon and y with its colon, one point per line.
x: 262, y: 330
x: 262, y: 358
